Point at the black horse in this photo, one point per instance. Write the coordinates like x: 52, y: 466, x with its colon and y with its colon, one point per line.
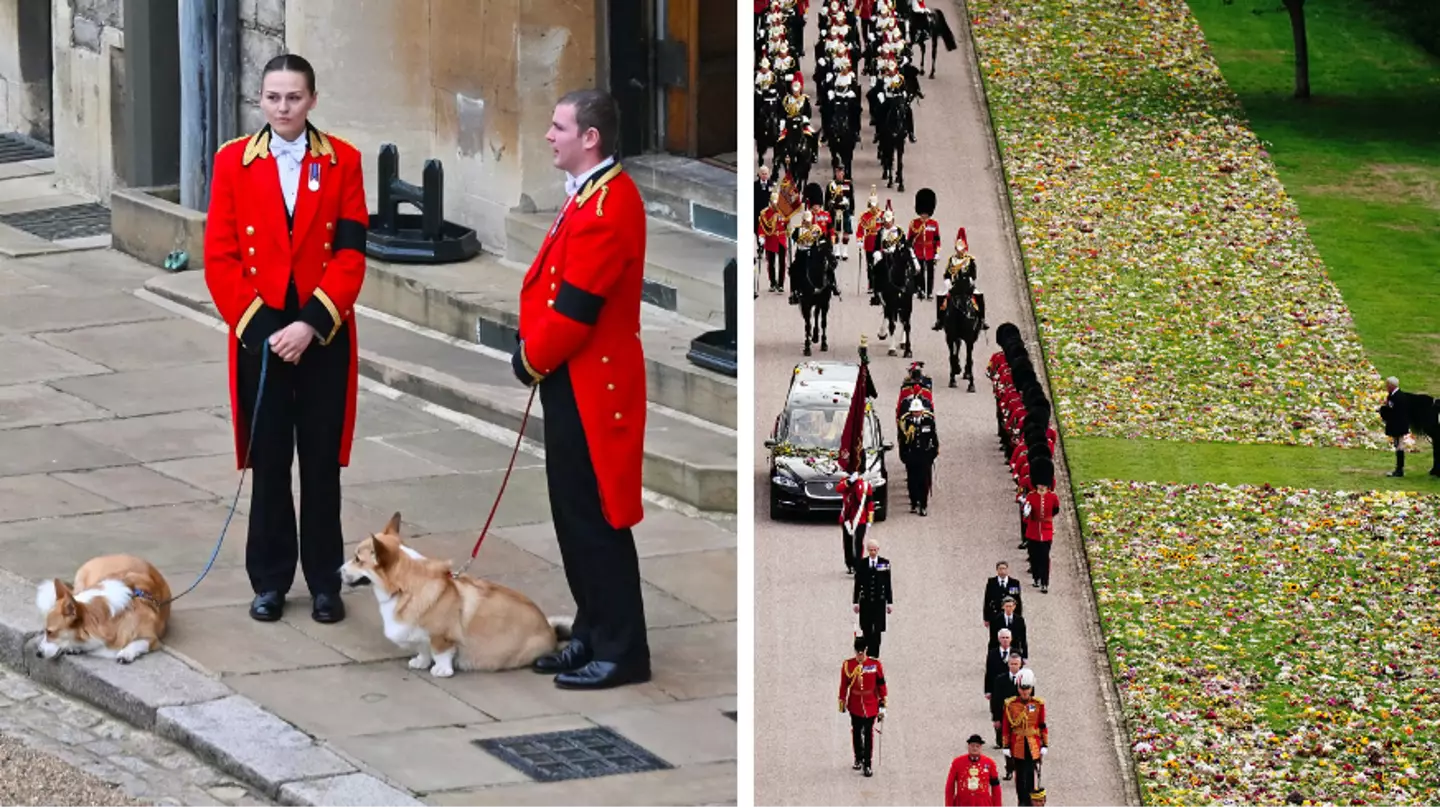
x: 843, y: 133
x: 895, y: 124
x: 767, y: 129
x: 813, y: 280
x: 962, y: 325
x: 934, y: 28
x: 797, y: 152
x: 897, y: 283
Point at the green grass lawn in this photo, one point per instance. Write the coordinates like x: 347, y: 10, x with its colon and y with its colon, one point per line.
x: 1362, y: 160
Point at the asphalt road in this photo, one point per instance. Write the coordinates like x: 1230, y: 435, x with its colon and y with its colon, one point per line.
x: 934, y: 650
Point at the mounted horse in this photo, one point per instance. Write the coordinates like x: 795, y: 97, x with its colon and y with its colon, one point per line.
x: 962, y: 325
x: 894, y: 129
x: 930, y: 25
x: 896, y: 283
x: 812, y: 281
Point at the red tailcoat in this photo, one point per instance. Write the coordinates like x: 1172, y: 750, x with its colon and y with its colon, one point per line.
x: 771, y: 225
x: 1040, y: 525
x: 973, y: 784
x: 862, y: 686
x: 580, y: 307
x: 251, y: 254
x: 925, y: 235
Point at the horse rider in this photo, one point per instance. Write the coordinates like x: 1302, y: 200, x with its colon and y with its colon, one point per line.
x: 772, y: 238
x: 767, y: 90
x: 808, y: 239
x: 960, y: 264
x: 866, y: 232
x: 924, y: 235
x: 796, y: 105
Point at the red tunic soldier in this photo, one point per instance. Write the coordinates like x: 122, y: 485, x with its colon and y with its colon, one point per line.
x: 974, y: 781
x: 867, y: 228
x: 284, y: 262
x: 771, y: 231
x: 924, y: 235
x: 1041, y: 507
x: 862, y: 693
x: 857, y: 511
x: 580, y: 343
x: 1025, y: 736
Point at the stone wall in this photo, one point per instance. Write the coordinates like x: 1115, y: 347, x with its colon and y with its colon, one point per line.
x: 25, y: 67
x: 472, y: 84
x: 89, y: 88
x: 262, y: 38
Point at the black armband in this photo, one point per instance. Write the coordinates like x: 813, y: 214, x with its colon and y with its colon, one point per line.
x: 578, y: 305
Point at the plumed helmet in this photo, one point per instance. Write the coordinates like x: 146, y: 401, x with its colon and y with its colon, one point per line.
x: 1027, y: 678
x: 961, y: 244
x: 764, y: 63
x: 889, y: 217
x: 874, y: 198
x: 916, y: 405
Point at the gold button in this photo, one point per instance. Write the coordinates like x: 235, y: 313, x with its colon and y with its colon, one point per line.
x: 253, y: 271
x: 611, y: 386
x: 324, y: 265
x: 552, y: 286
x: 252, y: 251
x: 550, y: 303
x: 552, y: 269
x: 617, y: 414
x: 327, y: 245
x: 604, y: 359
x: 249, y: 230
x: 329, y: 226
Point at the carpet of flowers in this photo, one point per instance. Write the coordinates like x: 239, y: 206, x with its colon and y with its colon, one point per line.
x: 1178, y: 292
x: 1268, y: 642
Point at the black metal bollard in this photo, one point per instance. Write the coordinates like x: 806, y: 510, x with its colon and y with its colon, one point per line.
x: 423, y: 239
x: 716, y: 350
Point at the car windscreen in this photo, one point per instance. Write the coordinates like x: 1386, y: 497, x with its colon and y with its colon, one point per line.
x: 814, y: 428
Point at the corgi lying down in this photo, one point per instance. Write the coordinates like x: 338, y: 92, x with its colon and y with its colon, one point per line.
x: 450, y: 622
x: 112, y: 611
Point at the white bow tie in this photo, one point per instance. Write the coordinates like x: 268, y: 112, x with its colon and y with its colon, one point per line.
x: 291, y: 151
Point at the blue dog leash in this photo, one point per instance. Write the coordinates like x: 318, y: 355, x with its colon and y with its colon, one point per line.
x: 249, y: 446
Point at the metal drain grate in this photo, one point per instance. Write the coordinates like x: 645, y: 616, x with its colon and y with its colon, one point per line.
x: 578, y: 754
x: 68, y: 222
x: 15, y: 148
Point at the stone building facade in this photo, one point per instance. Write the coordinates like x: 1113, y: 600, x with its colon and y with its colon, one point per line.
x: 470, y: 82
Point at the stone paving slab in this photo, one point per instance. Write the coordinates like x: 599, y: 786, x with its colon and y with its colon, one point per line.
x: 691, y: 732
x: 25, y: 497
x: 318, y: 686
x: 701, y: 785
x: 24, y: 359
x: 132, y: 393
x: 350, y: 790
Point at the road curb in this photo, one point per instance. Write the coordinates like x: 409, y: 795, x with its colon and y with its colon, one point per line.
x: 162, y: 694
x: 1070, y: 531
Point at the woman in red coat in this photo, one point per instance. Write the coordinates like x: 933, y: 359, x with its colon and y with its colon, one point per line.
x: 284, y: 261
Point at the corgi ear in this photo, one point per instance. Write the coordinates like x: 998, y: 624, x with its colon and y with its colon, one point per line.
x: 384, y: 554
x: 393, y: 527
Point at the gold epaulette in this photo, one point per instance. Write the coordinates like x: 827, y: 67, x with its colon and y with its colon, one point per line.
x: 593, y: 186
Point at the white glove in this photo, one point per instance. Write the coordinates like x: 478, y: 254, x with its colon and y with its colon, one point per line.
x: 1026, y: 510
x: 880, y: 97
x: 832, y: 95
x: 759, y: 243
x: 875, y: 256
x: 1043, y: 749
x: 882, y: 714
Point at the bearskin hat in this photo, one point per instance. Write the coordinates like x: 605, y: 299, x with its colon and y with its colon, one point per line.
x: 814, y: 195
x: 925, y: 202
x: 1006, y: 331
x: 1042, y: 471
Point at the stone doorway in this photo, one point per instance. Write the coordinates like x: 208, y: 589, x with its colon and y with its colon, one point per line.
x: 29, y: 84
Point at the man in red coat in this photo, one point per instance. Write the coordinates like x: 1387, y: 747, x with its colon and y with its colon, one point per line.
x: 284, y: 262
x: 862, y: 693
x: 974, y: 780
x: 580, y: 342
x: 857, y: 511
x: 1041, y: 507
x: 924, y: 235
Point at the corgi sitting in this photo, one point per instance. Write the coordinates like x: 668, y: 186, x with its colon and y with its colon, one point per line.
x: 450, y: 622
x: 118, y: 608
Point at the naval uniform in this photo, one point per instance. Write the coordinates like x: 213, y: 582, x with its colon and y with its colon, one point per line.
x: 285, y: 242
x: 580, y: 342
x: 872, y: 594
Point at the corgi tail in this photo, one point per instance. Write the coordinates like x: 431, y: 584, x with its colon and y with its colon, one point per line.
x: 562, y: 626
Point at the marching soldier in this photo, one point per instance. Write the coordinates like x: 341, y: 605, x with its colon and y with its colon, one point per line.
x: 974, y: 781
x: 857, y: 511
x: 866, y: 231
x: 960, y: 264
x: 872, y: 596
x: 1041, y: 507
x: 841, y: 197
x: 922, y: 445
x: 924, y: 237
x: 770, y: 230
x: 862, y: 693
x: 1023, y: 731
x: 288, y: 294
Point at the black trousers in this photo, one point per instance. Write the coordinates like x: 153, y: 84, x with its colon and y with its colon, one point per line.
x: 862, y: 737
x: 601, y: 564
x: 854, y: 544
x: 1024, y: 779
x: 872, y: 620
x: 302, y: 412
x: 917, y: 479
x: 1399, y: 453
x: 927, y: 267
x: 1040, y: 560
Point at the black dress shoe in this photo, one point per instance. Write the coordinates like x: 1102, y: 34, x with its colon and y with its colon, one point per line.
x: 868, y: 772
x: 327, y: 608
x: 857, y: 766
x: 573, y: 657
x: 602, y: 675
x: 267, y: 607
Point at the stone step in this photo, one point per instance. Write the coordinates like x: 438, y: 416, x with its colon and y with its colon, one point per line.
x: 478, y: 301
x: 685, y: 458
x: 684, y: 270
x: 698, y: 195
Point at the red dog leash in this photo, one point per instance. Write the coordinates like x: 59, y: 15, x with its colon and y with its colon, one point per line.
x: 520, y: 437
